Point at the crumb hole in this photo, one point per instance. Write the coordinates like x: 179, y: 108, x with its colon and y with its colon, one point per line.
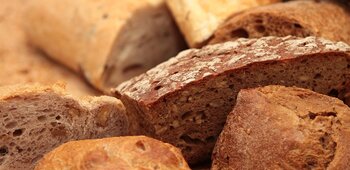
x: 312, y: 116
x: 42, y: 118
x: 328, y: 114
x: 19, y: 150
x: 260, y: 28
x: 3, y: 151
x: 318, y: 76
x: 296, y: 25
x: 58, y: 117
x: 158, y: 87
x: 240, y: 33
x: 18, y: 132
x: 140, y: 145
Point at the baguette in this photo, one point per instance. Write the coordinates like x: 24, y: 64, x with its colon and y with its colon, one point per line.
x: 20, y: 63
x: 108, y: 41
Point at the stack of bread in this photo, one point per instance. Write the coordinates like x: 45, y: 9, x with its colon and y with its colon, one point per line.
x: 174, y: 84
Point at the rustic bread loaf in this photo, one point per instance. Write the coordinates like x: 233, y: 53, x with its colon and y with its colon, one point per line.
x: 20, y: 63
x: 185, y: 100
x: 278, y: 127
x: 107, y: 41
x: 198, y: 19
x: 35, y: 119
x: 299, y: 18
x: 124, y: 153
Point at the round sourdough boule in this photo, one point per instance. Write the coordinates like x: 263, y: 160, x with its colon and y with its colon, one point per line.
x: 122, y: 153
x: 276, y: 127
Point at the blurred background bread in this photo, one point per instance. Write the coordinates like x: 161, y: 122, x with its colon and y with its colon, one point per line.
x: 20, y: 63
x: 108, y: 41
x: 198, y: 19
x: 303, y: 18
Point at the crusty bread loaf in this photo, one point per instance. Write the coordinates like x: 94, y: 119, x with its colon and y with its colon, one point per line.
x: 278, y: 127
x: 34, y: 119
x: 185, y: 100
x: 299, y: 18
x: 20, y: 63
x: 107, y: 41
x: 198, y: 19
x: 118, y: 153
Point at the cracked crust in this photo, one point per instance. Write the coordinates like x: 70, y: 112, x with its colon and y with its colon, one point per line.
x: 277, y: 127
x: 123, y: 153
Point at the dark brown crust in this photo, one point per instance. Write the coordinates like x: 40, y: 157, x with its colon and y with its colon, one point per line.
x: 299, y: 18
x: 185, y: 100
x: 192, y: 66
x: 278, y: 127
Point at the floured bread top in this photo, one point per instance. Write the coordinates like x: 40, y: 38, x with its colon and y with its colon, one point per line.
x: 195, y: 64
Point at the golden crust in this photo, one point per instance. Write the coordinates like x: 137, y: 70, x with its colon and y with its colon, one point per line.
x: 134, y: 152
x: 277, y: 127
x: 198, y: 19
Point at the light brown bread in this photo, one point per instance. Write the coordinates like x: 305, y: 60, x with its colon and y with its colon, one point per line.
x: 118, y: 153
x: 185, y: 100
x: 35, y: 119
x: 107, y: 41
x: 198, y: 19
x: 20, y: 63
x: 277, y: 127
x: 299, y: 18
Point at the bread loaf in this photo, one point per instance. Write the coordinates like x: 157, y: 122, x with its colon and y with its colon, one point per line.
x: 277, y: 127
x: 299, y: 18
x: 122, y: 153
x: 107, y: 41
x: 185, y: 100
x: 198, y: 19
x: 35, y: 119
x: 20, y: 63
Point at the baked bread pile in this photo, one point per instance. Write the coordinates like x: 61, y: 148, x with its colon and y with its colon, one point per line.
x: 261, y: 84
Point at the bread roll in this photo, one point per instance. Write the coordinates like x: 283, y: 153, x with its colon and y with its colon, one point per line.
x: 198, y: 19
x: 299, y: 18
x: 122, y: 153
x: 185, y: 100
x: 35, y: 119
x: 107, y: 41
x: 277, y: 127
